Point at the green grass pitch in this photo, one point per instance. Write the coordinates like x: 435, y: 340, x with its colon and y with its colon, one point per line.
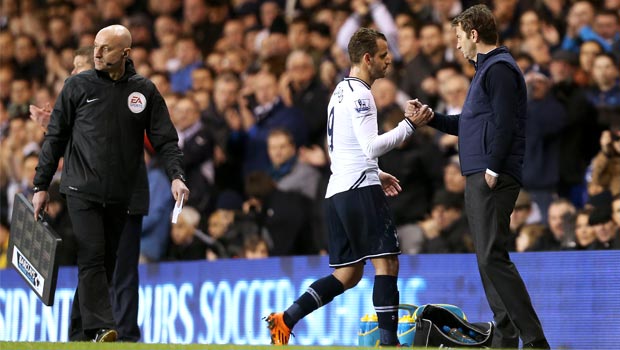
x: 141, y: 346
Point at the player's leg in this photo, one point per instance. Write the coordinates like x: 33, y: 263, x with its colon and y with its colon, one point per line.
x: 320, y: 293
x: 367, y: 223
x: 385, y: 298
x: 349, y: 269
x: 383, y: 250
x: 323, y: 291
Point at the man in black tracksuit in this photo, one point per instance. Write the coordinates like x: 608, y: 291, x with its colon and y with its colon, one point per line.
x: 98, y: 125
x: 125, y: 281
x: 491, y: 130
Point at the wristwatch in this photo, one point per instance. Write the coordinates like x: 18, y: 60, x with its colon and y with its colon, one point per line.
x: 180, y: 177
x: 36, y: 189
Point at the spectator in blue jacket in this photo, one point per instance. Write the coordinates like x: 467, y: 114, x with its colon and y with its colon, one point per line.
x: 605, y: 30
x: 270, y: 113
x: 155, y: 236
x: 580, y: 16
x: 187, y: 59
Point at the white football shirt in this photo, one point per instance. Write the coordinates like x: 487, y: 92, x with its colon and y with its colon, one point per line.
x: 352, y: 137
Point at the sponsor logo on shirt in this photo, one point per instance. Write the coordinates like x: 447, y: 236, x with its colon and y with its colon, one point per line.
x: 136, y: 102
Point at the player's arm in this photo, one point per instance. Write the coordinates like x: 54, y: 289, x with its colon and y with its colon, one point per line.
x: 363, y: 112
x: 448, y: 124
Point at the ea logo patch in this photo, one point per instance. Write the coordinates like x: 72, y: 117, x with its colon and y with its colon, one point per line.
x: 136, y: 102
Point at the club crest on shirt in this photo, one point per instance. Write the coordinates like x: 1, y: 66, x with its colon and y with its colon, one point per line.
x: 362, y: 105
x: 136, y: 102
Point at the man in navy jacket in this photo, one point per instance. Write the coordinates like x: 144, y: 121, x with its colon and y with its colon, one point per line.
x: 491, y: 130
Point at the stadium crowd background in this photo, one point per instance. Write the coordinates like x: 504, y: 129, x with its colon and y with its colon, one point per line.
x: 247, y: 84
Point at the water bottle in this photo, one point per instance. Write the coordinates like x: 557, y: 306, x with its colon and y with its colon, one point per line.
x: 406, y: 329
x: 458, y: 335
x: 361, y: 335
x: 369, y: 331
x: 363, y: 325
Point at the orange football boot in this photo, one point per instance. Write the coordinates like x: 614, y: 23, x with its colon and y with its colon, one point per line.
x: 280, y: 333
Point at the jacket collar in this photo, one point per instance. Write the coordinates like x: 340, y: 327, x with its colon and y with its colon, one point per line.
x: 130, y: 71
x: 263, y: 111
x: 482, y: 57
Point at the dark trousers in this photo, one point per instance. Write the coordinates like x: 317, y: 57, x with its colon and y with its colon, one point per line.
x: 97, y: 229
x: 125, y: 281
x: 488, y: 211
x: 123, y: 288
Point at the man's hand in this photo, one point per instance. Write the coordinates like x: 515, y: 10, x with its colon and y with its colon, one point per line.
x: 419, y: 114
x: 412, y: 107
x: 178, y: 188
x: 233, y: 119
x: 360, y: 7
x: 551, y: 34
x: 313, y: 155
x: 605, y: 142
x: 389, y: 184
x: 219, y: 155
x: 491, y: 180
x: 252, y: 206
x: 430, y: 229
x: 39, y: 201
x: 285, y: 90
x: 41, y: 115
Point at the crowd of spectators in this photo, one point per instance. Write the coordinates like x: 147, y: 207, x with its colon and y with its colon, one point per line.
x: 247, y: 84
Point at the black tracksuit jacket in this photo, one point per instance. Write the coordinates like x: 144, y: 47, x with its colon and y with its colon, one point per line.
x: 98, y: 126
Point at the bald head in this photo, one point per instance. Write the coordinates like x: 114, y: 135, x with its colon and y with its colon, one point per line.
x: 111, y: 49
x: 298, y: 57
x: 300, y: 67
x: 118, y: 31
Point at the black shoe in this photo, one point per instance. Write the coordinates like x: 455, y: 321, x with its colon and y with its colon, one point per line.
x: 105, y: 335
x: 539, y: 344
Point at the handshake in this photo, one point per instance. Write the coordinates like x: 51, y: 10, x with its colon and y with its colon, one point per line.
x: 418, y: 114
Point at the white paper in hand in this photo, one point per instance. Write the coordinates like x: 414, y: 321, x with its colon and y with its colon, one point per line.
x: 177, y: 209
